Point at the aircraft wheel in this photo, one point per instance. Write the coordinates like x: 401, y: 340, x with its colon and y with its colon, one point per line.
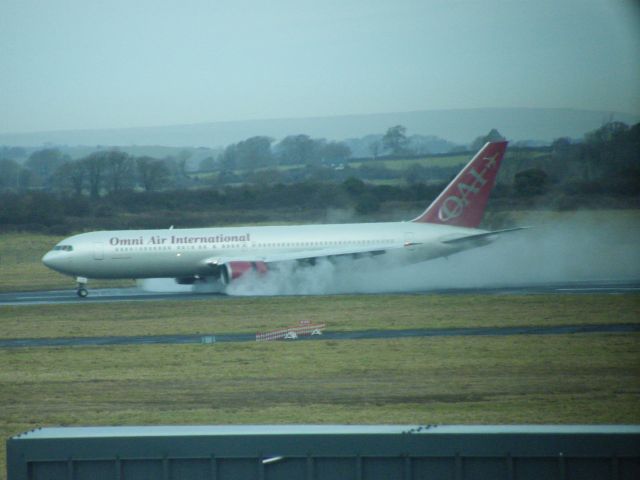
x: 82, y: 292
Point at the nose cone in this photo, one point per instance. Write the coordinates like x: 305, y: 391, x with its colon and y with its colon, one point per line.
x: 55, y: 261
x: 47, y: 259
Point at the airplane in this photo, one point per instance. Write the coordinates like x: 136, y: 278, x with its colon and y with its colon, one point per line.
x: 223, y: 255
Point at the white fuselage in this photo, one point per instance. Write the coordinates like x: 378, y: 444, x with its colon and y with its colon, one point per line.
x: 186, y: 252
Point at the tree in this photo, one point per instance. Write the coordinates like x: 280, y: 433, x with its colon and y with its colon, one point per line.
x: 229, y: 159
x: 183, y: 158
x: 561, y: 145
x: 177, y: 168
x: 395, y: 140
x: 119, y: 171
x: 335, y: 152
x: 9, y: 174
x: 44, y: 163
x: 12, y: 152
x: 606, y: 150
x: 94, y: 166
x: 70, y: 176
x: 254, y: 152
x: 609, y: 132
x: 296, y: 149
x: 493, y: 136
x: 531, y: 182
x: 153, y: 174
x: 375, y: 147
x: 208, y: 164
x: 77, y: 177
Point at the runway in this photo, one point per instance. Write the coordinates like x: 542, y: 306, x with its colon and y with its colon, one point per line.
x: 133, y: 294
x: 98, y: 295
x: 210, y: 339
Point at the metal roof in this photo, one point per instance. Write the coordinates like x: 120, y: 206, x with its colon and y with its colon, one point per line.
x: 230, y: 430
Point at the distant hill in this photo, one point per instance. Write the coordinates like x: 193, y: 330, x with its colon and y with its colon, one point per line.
x: 457, y: 126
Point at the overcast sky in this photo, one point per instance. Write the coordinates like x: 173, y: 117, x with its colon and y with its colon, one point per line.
x: 77, y: 64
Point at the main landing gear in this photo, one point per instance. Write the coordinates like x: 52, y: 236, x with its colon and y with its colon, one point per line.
x: 82, y: 289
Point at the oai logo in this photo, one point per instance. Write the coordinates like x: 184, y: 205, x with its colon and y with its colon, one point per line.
x: 453, y: 205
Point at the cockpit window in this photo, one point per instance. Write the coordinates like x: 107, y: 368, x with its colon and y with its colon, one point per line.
x: 66, y: 248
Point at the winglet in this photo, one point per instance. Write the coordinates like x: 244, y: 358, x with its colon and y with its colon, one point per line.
x: 463, y: 202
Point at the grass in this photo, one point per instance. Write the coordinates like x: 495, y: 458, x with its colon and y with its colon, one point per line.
x: 591, y: 378
x: 520, y: 379
x: 345, y: 312
x: 20, y: 260
x: 424, y: 375
x: 404, y: 163
x: 22, y: 268
x: 445, y: 160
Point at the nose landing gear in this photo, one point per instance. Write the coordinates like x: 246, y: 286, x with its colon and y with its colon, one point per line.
x: 82, y: 290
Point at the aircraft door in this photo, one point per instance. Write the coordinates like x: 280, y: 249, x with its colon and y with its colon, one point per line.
x: 98, y: 251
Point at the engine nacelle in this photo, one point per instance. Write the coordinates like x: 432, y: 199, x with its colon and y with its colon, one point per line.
x: 234, y: 270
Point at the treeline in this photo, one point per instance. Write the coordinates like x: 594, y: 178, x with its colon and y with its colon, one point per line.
x: 296, y: 158
x: 102, y: 172
x: 260, y: 152
x: 112, y: 171
x: 306, y: 201
x: 606, y: 162
x: 110, y: 189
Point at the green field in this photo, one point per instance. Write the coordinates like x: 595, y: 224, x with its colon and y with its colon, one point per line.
x: 432, y: 161
x: 404, y: 163
x: 22, y: 268
x: 397, y: 164
x: 528, y: 379
x: 341, y: 313
x: 588, y: 378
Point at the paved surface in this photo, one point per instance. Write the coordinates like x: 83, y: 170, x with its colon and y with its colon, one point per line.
x: 105, y: 295
x: 98, y: 295
x: 328, y: 335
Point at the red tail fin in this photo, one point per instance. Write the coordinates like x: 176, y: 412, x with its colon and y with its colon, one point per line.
x: 463, y: 202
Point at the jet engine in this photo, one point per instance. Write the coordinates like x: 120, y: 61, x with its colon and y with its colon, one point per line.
x: 233, y: 270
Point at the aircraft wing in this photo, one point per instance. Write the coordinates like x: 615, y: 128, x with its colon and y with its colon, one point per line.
x: 480, y: 237
x: 312, y: 255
